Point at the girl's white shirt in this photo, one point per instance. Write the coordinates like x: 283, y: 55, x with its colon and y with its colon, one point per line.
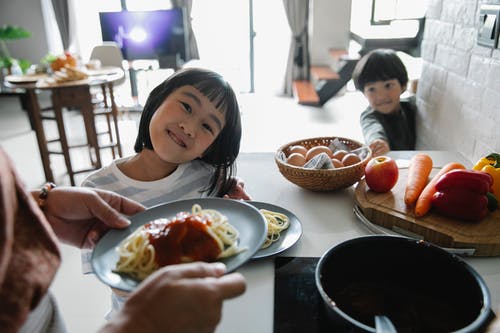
x: 186, y: 182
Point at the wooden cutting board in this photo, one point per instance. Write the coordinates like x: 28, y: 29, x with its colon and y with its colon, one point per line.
x: 389, y: 211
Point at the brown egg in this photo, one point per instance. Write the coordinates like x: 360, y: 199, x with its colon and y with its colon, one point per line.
x: 318, y: 150
x: 296, y: 159
x: 336, y: 163
x: 339, y: 154
x: 298, y: 149
x: 350, y: 159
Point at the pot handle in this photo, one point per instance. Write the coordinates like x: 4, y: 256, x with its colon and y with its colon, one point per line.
x: 384, y: 325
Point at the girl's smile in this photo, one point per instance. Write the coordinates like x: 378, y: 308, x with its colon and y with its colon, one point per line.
x: 176, y: 139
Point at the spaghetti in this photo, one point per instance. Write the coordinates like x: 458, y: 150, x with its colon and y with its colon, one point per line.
x: 202, y: 235
x: 276, y: 223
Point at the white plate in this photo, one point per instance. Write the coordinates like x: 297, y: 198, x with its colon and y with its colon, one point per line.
x: 287, y: 238
x: 245, y: 218
x: 18, y: 79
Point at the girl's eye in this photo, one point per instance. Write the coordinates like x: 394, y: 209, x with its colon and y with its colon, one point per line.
x: 389, y: 85
x: 208, y: 128
x: 370, y: 89
x: 187, y: 107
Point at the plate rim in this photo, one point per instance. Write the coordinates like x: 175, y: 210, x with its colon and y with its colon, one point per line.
x: 204, y: 202
x: 26, y: 78
x: 296, y: 219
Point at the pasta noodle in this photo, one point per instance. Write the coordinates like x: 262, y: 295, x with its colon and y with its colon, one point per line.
x: 276, y: 223
x: 203, y: 234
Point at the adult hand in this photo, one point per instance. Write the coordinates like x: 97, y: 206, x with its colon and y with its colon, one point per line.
x: 379, y: 147
x: 179, y: 298
x: 238, y: 191
x: 80, y: 216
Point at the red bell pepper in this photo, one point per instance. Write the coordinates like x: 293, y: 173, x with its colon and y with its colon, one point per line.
x: 462, y: 194
x: 475, y: 181
x: 461, y: 204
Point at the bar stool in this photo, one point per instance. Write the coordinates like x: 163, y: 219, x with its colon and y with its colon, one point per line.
x: 107, y: 107
x: 79, y: 98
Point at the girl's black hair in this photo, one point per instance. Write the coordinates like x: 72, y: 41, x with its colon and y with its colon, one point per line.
x: 379, y: 65
x: 224, y: 150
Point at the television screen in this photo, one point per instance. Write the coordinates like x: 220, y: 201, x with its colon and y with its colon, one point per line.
x: 158, y: 34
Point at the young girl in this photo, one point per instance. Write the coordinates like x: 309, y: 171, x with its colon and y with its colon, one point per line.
x: 188, y: 140
x: 189, y: 137
x: 388, y: 123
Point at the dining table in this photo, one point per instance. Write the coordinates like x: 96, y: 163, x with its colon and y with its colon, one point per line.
x: 327, y: 219
x: 67, y: 94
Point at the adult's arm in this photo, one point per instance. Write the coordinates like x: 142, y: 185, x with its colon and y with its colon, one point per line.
x: 179, y: 298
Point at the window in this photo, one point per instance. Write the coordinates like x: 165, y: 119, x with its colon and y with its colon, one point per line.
x: 222, y: 32
x: 385, y: 19
x: 385, y: 11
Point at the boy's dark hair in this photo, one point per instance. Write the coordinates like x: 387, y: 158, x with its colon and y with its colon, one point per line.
x: 379, y: 65
x: 224, y: 150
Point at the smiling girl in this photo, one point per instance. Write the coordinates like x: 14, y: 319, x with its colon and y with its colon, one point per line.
x: 189, y: 137
x: 389, y: 122
x: 188, y: 140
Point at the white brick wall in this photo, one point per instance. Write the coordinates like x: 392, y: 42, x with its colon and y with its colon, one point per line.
x: 459, y: 90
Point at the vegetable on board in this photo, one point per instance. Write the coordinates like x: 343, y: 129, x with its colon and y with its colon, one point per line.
x: 424, y: 201
x: 418, y: 175
x: 462, y: 194
x: 491, y: 164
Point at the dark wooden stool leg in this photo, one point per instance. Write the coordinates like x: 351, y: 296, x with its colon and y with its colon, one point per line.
x: 62, y: 136
x: 34, y: 111
x: 114, y: 109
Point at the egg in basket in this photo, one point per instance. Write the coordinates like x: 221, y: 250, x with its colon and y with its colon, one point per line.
x: 329, y: 163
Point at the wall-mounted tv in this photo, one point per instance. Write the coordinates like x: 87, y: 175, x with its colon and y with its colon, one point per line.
x: 159, y: 34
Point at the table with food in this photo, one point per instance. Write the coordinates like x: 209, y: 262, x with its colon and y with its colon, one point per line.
x: 335, y: 240
x: 71, y: 85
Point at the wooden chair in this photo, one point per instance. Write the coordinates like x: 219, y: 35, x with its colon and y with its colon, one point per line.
x: 78, y: 98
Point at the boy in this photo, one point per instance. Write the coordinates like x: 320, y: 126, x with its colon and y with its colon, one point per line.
x: 388, y: 123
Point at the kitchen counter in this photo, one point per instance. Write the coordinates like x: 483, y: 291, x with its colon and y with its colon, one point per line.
x: 327, y: 220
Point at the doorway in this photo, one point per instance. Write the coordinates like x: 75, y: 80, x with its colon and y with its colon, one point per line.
x: 223, y: 33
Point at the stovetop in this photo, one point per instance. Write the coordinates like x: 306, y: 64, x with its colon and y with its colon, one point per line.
x: 298, y: 306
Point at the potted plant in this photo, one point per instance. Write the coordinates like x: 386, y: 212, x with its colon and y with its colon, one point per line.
x: 10, y: 32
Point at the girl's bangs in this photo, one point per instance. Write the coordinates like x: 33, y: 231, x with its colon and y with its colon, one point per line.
x: 217, y: 92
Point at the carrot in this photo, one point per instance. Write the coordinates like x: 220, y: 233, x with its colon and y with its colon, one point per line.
x: 418, y: 174
x: 423, y: 204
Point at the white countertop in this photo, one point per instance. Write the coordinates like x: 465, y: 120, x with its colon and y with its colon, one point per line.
x: 327, y: 219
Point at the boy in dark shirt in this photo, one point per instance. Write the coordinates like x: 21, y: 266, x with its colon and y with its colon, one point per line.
x: 388, y: 123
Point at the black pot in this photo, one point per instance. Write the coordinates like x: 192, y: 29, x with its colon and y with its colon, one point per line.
x: 419, y: 286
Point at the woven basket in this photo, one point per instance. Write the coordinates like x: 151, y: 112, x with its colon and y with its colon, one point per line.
x: 324, y: 179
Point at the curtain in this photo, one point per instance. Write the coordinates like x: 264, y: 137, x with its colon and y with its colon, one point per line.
x: 192, y: 45
x: 61, y: 12
x: 297, y: 13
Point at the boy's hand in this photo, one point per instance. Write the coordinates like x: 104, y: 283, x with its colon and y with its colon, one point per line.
x: 379, y: 147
